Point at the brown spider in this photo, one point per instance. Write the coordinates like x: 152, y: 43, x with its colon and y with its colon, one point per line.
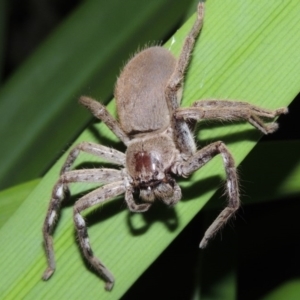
x: 160, y: 144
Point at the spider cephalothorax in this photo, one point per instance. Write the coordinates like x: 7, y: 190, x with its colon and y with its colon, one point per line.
x: 149, y: 168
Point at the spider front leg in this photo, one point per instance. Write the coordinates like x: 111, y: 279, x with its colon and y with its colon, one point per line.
x: 182, y: 135
x: 96, y: 197
x: 228, y: 110
x: 176, y: 81
x: 98, y: 176
x: 199, y: 159
x: 109, y: 154
x: 100, y: 112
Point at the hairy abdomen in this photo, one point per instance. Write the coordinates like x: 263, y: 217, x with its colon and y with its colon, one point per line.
x: 140, y: 91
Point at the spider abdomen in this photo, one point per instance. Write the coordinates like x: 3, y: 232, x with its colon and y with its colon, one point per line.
x: 140, y: 91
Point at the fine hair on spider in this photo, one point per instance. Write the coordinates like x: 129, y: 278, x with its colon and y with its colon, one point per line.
x: 160, y: 145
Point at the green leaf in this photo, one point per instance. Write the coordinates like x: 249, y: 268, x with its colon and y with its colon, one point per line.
x: 289, y: 290
x: 247, y: 51
x: 12, y: 198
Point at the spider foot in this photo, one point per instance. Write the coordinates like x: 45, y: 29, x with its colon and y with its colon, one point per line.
x: 270, y: 128
x: 282, y: 110
x: 203, y: 243
x: 109, y: 285
x: 48, y: 273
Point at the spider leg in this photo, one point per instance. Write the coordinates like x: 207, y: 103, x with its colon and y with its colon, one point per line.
x: 176, y: 81
x: 173, y: 91
x: 107, y: 153
x: 199, y: 159
x: 97, y: 175
x: 228, y: 110
x: 100, y: 112
x: 96, y: 197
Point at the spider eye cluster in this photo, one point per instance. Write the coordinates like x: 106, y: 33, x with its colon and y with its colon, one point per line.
x: 147, y: 162
x: 148, y: 168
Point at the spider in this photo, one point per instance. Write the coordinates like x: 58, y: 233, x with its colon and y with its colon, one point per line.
x: 160, y: 145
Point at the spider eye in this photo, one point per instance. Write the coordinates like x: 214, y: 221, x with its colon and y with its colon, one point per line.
x: 145, y: 161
